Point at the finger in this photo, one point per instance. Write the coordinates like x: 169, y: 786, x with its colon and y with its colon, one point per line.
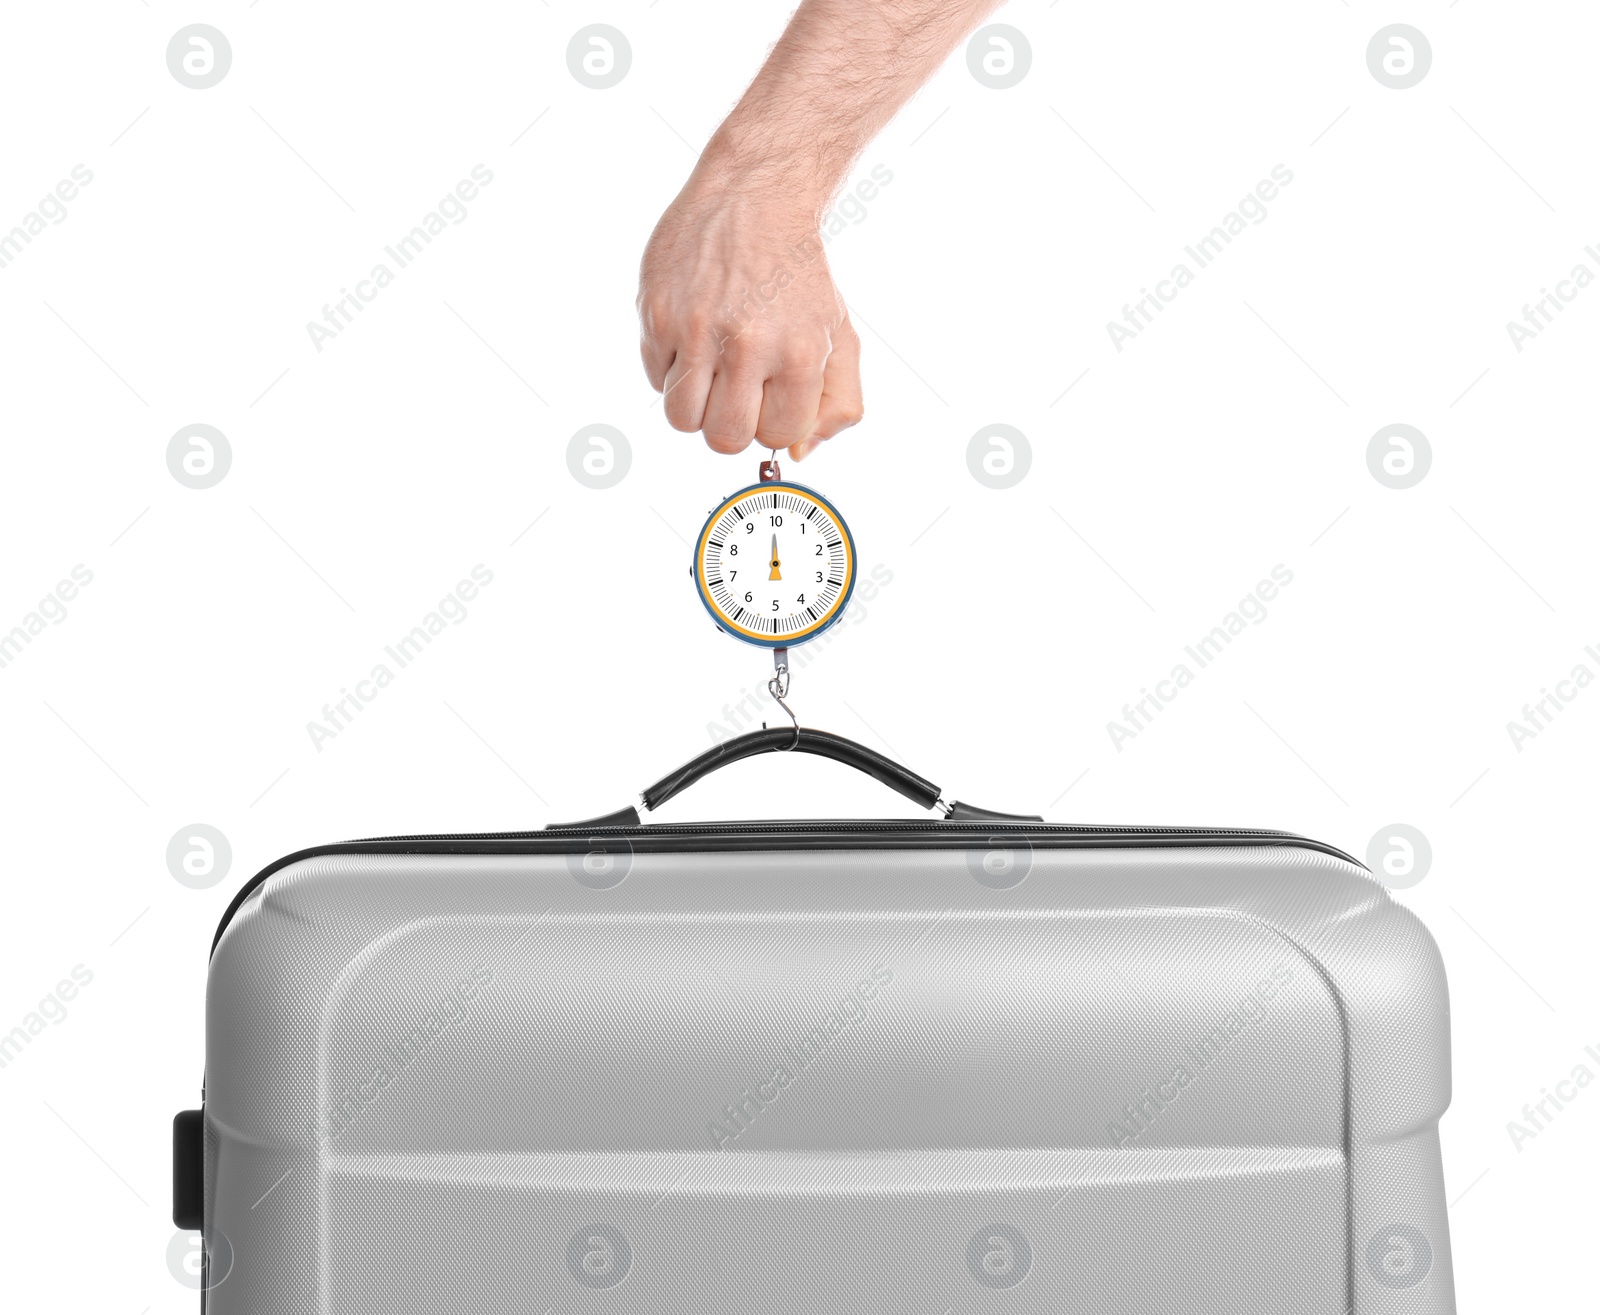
x: 804, y: 448
x: 789, y: 402
x: 657, y: 360
x: 658, y: 343
x: 683, y: 399
x: 733, y: 409
x: 841, y: 404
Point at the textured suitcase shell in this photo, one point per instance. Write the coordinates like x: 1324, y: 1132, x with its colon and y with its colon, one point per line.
x: 827, y: 1079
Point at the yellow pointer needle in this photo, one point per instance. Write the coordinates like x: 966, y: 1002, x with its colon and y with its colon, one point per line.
x: 775, y: 575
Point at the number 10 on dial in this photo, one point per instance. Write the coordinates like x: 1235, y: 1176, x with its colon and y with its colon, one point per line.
x: 775, y: 565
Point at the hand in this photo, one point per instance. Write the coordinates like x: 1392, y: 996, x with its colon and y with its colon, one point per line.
x: 741, y: 327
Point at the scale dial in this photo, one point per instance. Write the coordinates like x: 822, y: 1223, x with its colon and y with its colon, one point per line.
x: 775, y: 565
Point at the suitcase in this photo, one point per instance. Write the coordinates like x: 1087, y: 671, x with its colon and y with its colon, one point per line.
x: 974, y: 1063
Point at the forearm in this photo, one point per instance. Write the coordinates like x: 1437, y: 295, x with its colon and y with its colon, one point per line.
x: 839, y: 73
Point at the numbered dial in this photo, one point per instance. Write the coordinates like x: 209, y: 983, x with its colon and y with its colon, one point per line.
x: 775, y: 564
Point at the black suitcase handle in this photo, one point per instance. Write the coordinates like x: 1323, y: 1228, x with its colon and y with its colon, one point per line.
x: 802, y: 740
x: 824, y: 744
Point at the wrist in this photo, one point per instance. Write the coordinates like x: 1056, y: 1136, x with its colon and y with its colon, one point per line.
x: 770, y: 177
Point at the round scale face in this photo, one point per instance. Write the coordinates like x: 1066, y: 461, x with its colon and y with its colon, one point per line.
x: 775, y: 564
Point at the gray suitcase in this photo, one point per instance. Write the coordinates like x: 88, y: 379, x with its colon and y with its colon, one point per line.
x: 969, y: 1064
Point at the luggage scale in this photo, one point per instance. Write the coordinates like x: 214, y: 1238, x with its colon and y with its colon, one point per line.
x: 775, y: 565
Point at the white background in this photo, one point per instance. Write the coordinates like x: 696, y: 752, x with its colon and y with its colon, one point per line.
x: 368, y: 478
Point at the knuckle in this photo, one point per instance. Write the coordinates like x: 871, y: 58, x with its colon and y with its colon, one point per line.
x: 655, y: 361
x: 692, y: 359
x: 740, y: 353
x: 804, y: 360
x: 697, y: 326
x: 655, y: 313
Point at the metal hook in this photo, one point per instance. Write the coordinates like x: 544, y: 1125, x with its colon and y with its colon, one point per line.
x: 769, y: 471
x: 778, y: 687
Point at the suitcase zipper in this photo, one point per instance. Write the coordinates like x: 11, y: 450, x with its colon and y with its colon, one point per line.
x: 885, y: 825
x: 724, y: 837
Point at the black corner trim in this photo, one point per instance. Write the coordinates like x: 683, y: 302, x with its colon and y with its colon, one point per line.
x: 188, y: 1169
x: 622, y: 817
x: 960, y: 812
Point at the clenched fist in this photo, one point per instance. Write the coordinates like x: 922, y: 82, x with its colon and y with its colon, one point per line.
x: 741, y: 327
